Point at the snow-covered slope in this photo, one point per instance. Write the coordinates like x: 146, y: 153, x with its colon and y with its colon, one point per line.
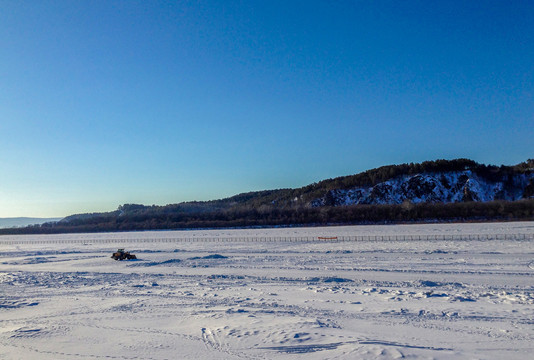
x: 444, y: 187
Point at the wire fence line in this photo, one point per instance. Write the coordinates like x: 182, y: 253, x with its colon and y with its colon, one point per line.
x: 278, y: 239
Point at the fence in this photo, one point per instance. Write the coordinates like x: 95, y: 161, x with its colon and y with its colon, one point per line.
x: 279, y: 239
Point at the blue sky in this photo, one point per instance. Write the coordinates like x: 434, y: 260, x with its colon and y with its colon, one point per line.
x: 156, y: 102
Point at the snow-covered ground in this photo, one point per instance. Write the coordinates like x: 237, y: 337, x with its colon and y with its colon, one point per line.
x: 272, y: 294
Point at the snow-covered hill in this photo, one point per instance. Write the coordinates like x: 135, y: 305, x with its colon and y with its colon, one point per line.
x: 446, y: 187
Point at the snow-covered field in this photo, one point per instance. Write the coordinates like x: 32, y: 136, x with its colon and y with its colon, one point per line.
x: 417, y: 291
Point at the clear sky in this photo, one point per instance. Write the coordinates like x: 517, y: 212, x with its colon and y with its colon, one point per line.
x: 156, y: 102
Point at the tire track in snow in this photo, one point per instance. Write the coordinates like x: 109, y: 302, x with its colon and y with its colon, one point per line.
x: 74, y: 355
x: 212, y: 341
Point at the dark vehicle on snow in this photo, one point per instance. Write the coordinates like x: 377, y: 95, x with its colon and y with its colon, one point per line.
x: 120, y: 254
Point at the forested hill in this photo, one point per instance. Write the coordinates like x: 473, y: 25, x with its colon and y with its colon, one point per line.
x: 444, y: 190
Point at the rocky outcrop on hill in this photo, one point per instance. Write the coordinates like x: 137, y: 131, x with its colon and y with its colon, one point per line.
x: 445, y: 187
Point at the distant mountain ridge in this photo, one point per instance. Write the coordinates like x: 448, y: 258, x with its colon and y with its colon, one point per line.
x: 441, y: 190
x: 24, y: 221
x: 440, y: 181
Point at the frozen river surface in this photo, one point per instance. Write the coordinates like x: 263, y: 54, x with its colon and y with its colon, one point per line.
x: 357, y: 292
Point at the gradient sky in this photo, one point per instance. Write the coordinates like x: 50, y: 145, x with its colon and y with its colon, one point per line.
x: 156, y: 102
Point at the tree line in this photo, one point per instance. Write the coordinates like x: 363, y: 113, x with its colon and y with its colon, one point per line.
x: 274, y: 216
